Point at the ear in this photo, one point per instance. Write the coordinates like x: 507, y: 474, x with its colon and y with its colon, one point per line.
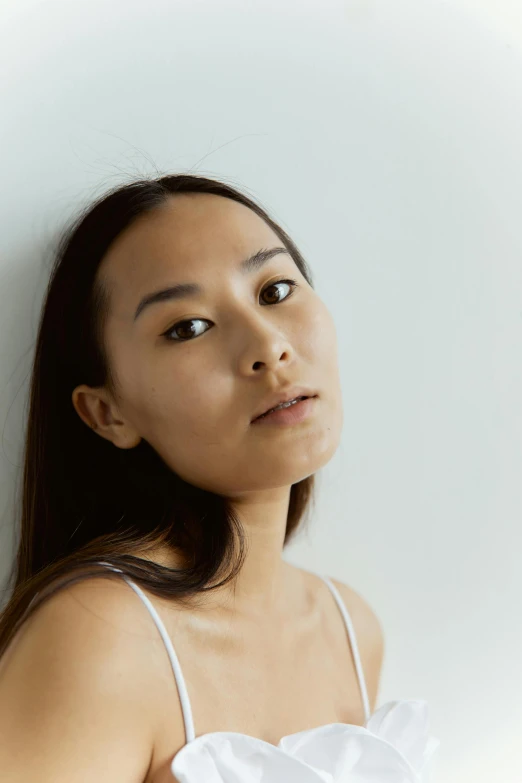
x: 100, y: 413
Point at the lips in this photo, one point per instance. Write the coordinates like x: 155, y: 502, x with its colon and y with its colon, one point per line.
x: 284, y: 396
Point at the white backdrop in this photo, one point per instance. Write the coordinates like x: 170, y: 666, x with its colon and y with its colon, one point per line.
x: 385, y: 136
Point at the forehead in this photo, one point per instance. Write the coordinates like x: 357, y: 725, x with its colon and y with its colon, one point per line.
x: 192, y: 233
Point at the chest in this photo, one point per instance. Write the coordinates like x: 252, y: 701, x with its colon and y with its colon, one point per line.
x: 266, y: 682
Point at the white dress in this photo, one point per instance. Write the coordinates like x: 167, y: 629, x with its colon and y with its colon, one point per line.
x: 394, y: 745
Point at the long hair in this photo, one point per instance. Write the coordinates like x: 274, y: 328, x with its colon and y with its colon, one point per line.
x: 83, y: 500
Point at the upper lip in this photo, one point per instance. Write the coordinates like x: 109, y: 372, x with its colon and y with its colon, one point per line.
x: 283, y: 395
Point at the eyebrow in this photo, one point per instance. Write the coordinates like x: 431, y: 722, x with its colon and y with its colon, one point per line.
x: 183, y: 290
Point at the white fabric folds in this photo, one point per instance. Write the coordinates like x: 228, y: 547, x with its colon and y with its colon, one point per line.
x: 395, y: 746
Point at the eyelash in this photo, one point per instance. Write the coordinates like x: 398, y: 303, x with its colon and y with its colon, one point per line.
x: 293, y: 284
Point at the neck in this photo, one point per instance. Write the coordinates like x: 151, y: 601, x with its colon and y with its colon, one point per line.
x: 264, y: 576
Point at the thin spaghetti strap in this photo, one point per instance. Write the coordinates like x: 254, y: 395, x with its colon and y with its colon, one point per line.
x: 353, y: 643
x: 176, y: 668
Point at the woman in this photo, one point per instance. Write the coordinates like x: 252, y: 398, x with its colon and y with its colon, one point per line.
x: 177, y: 313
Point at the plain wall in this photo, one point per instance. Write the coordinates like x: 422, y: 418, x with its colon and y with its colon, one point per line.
x: 385, y: 137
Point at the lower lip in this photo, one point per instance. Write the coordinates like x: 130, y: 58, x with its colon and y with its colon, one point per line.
x: 291, y: 415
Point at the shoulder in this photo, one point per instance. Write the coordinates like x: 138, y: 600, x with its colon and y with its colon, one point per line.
x: 83, y: 653
x: 363, y: 615
x: 369, y: 634
x: 85, y: 612
x: 94, y: 627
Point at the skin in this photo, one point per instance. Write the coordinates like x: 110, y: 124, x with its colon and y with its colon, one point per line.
x: 266, y: 655
x: 193, y: 401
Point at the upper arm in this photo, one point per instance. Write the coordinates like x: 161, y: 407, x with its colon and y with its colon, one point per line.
x: 70, y: 707
x: 370, y: 637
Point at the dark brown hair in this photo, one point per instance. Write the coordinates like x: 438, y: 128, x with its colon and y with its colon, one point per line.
x: 83, y: 500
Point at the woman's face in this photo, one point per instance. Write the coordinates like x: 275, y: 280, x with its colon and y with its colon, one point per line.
x: 191, y: 392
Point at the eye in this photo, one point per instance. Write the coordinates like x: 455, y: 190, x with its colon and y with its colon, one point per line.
x: 292, y: 284
x: 189, y: 331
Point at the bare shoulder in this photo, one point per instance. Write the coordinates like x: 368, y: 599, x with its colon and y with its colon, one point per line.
x: 363, y: 615
x: 72, y: 687
x: 369, y: 633
x: 88, y: 610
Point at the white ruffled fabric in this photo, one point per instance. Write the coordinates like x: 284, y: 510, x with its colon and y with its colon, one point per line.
x: 395, y: 746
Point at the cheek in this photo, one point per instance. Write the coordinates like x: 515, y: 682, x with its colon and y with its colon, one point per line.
x: 193, y: 433
x: 318, y: 335
x: 183, y: 406
x: 325, y: 361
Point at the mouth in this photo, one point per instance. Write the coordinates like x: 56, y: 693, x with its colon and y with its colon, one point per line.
x: 284, y: 405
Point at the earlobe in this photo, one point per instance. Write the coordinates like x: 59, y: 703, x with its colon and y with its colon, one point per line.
x: 128, y: 443
x: 118, y: 433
